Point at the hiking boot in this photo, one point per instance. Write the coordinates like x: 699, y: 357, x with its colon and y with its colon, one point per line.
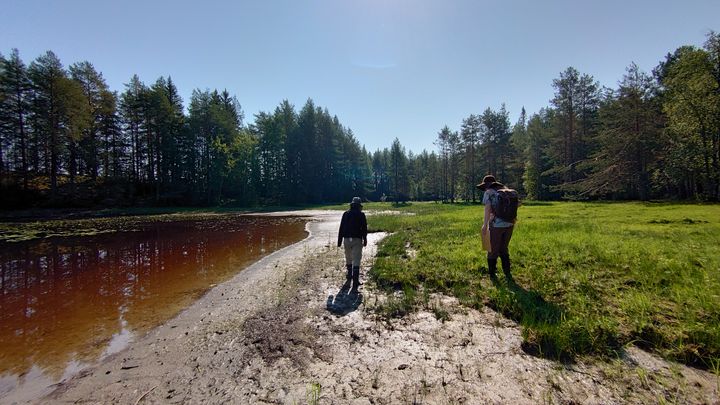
x: 505, y: 263
x: 349, y: 271
x: 356, y: 277
x: 492, y: 266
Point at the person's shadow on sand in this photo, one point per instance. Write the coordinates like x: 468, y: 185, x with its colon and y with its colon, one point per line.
x: 345, y: 301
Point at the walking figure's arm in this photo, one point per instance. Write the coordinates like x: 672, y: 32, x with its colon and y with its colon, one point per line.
x: 364, y: 229
x: 343, y: 224
x: 487, y: 216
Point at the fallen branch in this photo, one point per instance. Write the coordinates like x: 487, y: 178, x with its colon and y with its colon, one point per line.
x: 128, y: 367
x: 492, y: 353
x: 143, y: 395
x: 581, y: 372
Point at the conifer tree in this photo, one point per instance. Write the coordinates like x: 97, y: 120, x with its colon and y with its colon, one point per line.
x: 576, y: 102
x: 470, y: 137
x: 14, y: 109
x: 131, y: 109
x: 96, y: 93
x: 399, y: 171
x: 46, y: 74
x: 628, y: 141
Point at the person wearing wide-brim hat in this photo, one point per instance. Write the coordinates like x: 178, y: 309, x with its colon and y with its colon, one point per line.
x: 353, y: 233
x: 499, y: 230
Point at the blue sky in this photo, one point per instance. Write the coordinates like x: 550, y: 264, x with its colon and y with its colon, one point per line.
x: 386, y: 68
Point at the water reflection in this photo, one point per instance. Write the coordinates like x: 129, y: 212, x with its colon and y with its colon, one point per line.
x: 68, y: 301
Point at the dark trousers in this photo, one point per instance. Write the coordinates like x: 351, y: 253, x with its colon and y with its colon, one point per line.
x: 499, y: 242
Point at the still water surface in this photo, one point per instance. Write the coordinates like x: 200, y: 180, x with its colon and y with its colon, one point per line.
x: 66, y: 302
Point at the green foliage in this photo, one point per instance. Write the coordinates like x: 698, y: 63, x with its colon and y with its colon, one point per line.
x: 588, y: 277
x: 691, y: 77
x: 629, y: 140
x: 576, y: 102
x: 45, y: 73
x: 14, y: 110
x: 715, y: 368
x: 495, y: 141
x: 449, y: 146
x: 399, y: 171
x: 539, y: 130
x: 314, y: 390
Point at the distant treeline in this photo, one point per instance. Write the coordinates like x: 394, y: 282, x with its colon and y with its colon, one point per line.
x: 654, y: 136
x: 66, y: 139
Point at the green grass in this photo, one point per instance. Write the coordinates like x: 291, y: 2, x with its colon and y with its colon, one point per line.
x: 589, y: 278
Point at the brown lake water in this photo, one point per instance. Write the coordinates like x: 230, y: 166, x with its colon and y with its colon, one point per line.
x: 68, y: 302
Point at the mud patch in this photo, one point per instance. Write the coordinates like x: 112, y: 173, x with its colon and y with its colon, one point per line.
x: 283, y: 332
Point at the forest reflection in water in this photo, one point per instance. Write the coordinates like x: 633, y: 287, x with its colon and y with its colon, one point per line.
x: 68, y: 301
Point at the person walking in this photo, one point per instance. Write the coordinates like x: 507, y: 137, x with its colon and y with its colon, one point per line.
x: 500, y: 229
x: 353, y: 233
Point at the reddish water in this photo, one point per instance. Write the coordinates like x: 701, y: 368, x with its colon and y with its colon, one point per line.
x: 65, y: 302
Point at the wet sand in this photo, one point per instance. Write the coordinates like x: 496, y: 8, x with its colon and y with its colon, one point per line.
x: 285, y: 331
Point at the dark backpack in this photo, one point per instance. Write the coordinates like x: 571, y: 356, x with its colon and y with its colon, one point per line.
x: 506, y: 204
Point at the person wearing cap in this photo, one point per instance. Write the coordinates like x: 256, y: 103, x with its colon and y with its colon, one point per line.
x: 353, y: 233
x: 500, y: 230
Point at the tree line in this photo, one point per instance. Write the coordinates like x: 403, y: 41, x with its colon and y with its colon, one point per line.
x: 656, y: 135
x: 67, y: 139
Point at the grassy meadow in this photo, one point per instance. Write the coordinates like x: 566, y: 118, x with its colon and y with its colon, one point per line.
x: 588, y: 278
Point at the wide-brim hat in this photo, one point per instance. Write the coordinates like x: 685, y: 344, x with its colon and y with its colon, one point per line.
x: 487, y: 181
x: 356, y: 201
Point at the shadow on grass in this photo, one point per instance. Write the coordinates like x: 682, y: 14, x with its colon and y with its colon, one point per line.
x: 345, y: 301
x: 525, y: 306
x: 539, y: 318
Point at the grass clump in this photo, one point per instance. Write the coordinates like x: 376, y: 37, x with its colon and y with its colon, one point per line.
x: 588, y: 278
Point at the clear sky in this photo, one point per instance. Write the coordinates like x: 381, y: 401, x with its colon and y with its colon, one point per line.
x: 387, y: 69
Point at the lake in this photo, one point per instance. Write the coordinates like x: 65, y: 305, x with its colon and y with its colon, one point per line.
x: 68, y: 302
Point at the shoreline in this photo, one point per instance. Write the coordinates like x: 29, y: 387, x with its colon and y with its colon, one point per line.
x: 284, y: 330
x: 36, y: 391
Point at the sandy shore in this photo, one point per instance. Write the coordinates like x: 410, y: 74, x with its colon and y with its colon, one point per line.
x: 285, y: 331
